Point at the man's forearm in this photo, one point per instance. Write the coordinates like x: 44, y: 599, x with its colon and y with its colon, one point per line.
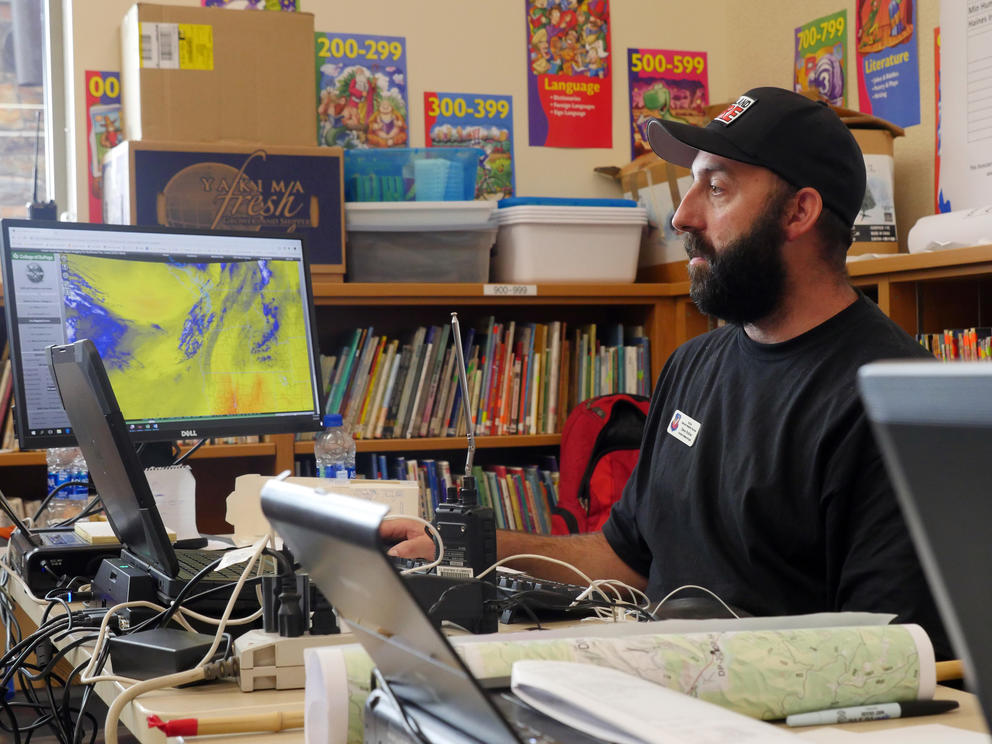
x: 590, y: 553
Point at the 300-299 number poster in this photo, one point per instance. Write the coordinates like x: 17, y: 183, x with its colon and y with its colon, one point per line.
x: 475, y: 120
x: 569, y: 91
x: 665, y: 84
x: 361, y: 91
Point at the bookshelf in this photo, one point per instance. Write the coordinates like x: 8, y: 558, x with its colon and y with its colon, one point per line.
x: 921, y: 292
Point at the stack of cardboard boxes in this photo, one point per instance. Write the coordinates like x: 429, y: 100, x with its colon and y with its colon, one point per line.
x: 219, y: 116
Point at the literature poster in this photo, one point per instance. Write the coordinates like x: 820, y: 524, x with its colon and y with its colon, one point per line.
x: 475, y: 120
x: 665, y: 84
x: 888, y: 63
x: 103, y: 131
x: 288, y: 5
x: 820, y: 49
x: 569, y: 94
x: 361, y: 91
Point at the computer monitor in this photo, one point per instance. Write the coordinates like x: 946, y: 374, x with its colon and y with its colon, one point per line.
x: 203, y: 333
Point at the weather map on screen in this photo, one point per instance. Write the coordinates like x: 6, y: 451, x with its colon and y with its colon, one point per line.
x: 219, y: 338
x: 202, y: 333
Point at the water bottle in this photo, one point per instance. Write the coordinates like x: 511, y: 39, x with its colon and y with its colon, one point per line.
x: 59, y: 460
x: 334, y: 449
x: 78, y: 471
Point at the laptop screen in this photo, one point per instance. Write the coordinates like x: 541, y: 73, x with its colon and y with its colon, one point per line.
x: 336, y: 538
x: 102, y: 435
x: 933, y: 423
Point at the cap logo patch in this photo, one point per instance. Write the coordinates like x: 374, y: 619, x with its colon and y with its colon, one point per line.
x: 734, y: 110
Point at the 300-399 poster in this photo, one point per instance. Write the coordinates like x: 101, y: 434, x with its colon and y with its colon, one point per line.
x: 475, y: 120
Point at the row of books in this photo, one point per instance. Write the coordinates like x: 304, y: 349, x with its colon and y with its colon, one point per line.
x: 522, y: 498
x: 523, y: 378
x: 964, y: 343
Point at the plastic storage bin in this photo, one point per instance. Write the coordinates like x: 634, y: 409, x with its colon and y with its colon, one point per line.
x: 567, y: 240
x: 420, y: 241
x: 411, y: 173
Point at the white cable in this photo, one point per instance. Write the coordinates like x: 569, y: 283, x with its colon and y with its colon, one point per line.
x: 190, y: 675
x: 589, y: 582
x: 700, y: 588
x: 434, y: 533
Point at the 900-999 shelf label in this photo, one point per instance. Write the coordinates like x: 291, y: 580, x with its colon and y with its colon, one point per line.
x: 509, y: 290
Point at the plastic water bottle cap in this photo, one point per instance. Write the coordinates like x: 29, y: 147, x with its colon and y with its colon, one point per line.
x: 332, y: 419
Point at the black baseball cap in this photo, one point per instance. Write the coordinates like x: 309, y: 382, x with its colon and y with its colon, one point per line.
x: 801, y: 140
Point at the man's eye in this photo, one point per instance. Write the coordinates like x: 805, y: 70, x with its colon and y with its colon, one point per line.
x: 714, y: 189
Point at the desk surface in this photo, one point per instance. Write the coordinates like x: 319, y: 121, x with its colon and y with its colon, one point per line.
x: 225, y: 698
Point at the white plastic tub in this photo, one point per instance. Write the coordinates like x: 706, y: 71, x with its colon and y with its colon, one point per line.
x: 444, y: 241
x: 547, y: 243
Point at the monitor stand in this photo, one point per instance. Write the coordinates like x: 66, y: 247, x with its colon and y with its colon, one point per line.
x: 156, y: 454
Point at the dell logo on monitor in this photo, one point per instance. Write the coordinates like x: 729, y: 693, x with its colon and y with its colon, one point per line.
x: 188, y: 433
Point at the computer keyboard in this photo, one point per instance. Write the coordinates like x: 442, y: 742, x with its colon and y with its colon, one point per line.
x: 543, y: 599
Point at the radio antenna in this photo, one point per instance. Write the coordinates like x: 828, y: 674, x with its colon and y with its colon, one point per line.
x: 466, y: 402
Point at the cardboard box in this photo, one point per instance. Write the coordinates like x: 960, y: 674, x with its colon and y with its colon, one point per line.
x: 191, y: 74
x: 875, y: 227
x: 231, y: 187
x: 658, y: 186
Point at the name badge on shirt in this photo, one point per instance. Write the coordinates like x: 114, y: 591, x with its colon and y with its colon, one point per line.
x: 683, y: 428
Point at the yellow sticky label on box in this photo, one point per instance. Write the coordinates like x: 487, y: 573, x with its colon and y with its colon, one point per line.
x: 176, y: 46
x: 196, y: 46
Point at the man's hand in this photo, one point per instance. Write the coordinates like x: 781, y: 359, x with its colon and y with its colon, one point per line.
x: 407, y: 538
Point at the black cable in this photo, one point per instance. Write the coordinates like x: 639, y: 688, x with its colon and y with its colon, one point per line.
x: 53, y: 493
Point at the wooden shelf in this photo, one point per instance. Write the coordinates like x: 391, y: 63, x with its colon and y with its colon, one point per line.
x: 207, y: 452
x: 428, y: 444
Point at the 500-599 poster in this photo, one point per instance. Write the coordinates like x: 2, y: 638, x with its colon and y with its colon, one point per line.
x: 569, y: 91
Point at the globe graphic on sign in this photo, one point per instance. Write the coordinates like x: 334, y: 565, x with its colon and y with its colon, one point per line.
x: 196, y: 194
x: 34, y: 272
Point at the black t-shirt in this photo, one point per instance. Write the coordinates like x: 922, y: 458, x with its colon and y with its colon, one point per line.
x: 759, y: 477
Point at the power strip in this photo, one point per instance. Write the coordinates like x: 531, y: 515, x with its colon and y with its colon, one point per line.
x: 271, y: 662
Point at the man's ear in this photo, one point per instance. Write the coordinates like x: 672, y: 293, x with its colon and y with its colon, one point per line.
x: 806, y: 207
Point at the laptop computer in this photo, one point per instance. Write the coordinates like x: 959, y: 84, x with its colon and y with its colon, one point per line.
x: 427, y: 686
x: 102, y: 436
x: 933, y: 424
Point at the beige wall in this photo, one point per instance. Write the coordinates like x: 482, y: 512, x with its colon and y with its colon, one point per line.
x: 471, y: 46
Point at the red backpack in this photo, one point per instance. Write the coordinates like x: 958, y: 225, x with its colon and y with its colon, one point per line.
x: 599, y: 448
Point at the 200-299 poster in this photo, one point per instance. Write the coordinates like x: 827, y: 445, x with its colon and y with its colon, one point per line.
x: 569, y: 91
x: 361, y: 91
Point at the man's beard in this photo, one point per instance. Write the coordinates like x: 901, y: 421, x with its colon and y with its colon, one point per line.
x: 745, y: 282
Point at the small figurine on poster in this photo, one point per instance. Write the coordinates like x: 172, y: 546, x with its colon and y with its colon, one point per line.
x: 819, y: 63
x: 665, y: 84
x: 361, y: 91
x: 475, y: 120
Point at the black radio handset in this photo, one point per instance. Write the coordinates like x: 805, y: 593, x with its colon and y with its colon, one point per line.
x: 40, y: 210
x: 467, y: 528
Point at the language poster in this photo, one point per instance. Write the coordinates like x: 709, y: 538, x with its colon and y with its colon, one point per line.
x: 475, y: 120
x: 569, y: 93
x: 288, y: 5
x: 665, y: 84
x: 820, y: 67
x: 361, y: 91
x: 103, y: 131
x: 888, y: 63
